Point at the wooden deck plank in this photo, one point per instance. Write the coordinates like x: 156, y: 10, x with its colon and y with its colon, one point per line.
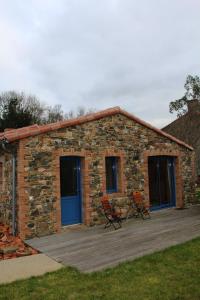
x: 96, y: 248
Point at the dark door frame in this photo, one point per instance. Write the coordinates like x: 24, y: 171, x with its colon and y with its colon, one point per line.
x: 158, y: 162
x: 73, y: 202
x: 179, y: 180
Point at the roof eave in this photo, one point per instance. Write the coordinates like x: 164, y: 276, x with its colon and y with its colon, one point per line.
x: 36, y: 130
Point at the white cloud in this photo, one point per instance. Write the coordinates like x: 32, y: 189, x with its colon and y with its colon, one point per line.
x: 101, y: 53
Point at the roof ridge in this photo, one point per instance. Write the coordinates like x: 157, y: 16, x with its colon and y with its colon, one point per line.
x: 146, y: 124
x: 35, y: 129
x: 187, y: 114
x: 92, y: 114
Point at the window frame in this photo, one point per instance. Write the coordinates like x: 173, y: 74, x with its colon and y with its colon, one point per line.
x: 115, y: 167
x: 2, y: 174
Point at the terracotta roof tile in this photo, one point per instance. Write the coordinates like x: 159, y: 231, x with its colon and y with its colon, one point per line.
x: 21, y: 133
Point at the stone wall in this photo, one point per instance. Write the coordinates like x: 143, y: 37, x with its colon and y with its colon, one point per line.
x: 6, y: 189
x: 38, y: 175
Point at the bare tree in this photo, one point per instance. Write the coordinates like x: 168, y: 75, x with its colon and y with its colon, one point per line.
x: 55, y: 114
x: 18, y: 110
x: 79, y: 112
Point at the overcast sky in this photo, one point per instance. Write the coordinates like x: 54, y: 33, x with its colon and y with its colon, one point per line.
x: 101, y: 53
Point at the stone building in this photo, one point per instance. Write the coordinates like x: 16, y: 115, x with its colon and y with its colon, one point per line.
x: 53, y: 175
x: 187, y: 129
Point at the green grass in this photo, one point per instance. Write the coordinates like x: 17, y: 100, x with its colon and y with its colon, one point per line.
x: 170, y: 274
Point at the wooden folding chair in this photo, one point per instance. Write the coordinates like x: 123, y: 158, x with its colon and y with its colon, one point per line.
x: 112, y: 216
x: 141, y: 208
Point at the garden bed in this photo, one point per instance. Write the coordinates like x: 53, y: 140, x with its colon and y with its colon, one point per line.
x: 12, y: 246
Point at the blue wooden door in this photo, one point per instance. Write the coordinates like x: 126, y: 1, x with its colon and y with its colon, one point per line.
x: 162, y: 181
x: 70, y: 179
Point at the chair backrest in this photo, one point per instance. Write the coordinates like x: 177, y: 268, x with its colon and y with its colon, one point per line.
x: 105, y: 203
x: 137, y: 198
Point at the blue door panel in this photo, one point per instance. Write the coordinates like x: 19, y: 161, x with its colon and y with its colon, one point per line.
x: 70, y: 210
x: 71, y: 205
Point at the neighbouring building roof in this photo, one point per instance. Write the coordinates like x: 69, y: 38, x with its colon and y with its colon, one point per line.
x: 13, y: 135
x: 186, y: 127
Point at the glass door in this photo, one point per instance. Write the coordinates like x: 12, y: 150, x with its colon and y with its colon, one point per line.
x: 162, y: 185
x: 70, y: 180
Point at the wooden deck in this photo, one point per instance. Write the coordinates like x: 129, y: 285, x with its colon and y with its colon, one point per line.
x: 95, y: 248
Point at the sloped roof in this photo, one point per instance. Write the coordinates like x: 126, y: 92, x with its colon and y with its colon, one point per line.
x: 13, y: 135
x: 186, y: 128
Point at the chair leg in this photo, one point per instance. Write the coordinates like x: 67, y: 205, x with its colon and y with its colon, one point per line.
x: 118, y: 227
x: 112, y: 223
x: 116, y: 223
x: 120, y: 224
x: 108, y: 224
x: 145, y: 214
x: 114, y: 226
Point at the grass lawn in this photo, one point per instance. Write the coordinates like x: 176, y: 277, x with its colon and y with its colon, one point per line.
x: 170, y: 274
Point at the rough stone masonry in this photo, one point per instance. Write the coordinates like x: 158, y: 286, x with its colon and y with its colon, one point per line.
x: 38, y: 169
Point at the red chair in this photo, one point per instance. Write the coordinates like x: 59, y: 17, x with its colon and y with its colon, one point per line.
x: 112, y: 216
x: 141, y: 208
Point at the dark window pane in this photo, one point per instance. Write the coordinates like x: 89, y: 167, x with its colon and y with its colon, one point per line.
x: 154, y: 181
x: 161, y: 180
x: 165, y: 194
x: 1, y: 175
x: 111, y: 174
x: 68, y: 176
